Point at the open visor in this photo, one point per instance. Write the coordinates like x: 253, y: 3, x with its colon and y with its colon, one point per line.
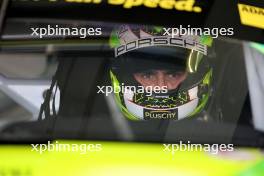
x: 170, y: 59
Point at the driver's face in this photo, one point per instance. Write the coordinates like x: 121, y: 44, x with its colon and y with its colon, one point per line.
x: 169, y: 78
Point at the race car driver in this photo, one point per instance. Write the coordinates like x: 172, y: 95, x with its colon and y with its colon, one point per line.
x: 183, y: 69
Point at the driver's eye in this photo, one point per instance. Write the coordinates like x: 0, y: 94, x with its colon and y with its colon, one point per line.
x: 147, y: 74
x: 173, y: 74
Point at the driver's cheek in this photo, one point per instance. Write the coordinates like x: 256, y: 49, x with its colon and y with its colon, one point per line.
x: 172, y: 82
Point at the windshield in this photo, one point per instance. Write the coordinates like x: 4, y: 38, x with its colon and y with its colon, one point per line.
x: 131, y: 87
x: 101, y: 89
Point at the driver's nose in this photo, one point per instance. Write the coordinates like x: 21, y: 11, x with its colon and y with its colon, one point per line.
x: 161, y: 79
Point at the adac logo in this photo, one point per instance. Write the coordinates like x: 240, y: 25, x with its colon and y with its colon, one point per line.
x: 160, y: 114
x: 252, y: 10
x: 181, y: 5
x: 251, y: 15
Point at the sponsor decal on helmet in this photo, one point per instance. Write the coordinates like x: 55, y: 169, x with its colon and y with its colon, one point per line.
x: 161, y: 41
x: 160, y: 114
